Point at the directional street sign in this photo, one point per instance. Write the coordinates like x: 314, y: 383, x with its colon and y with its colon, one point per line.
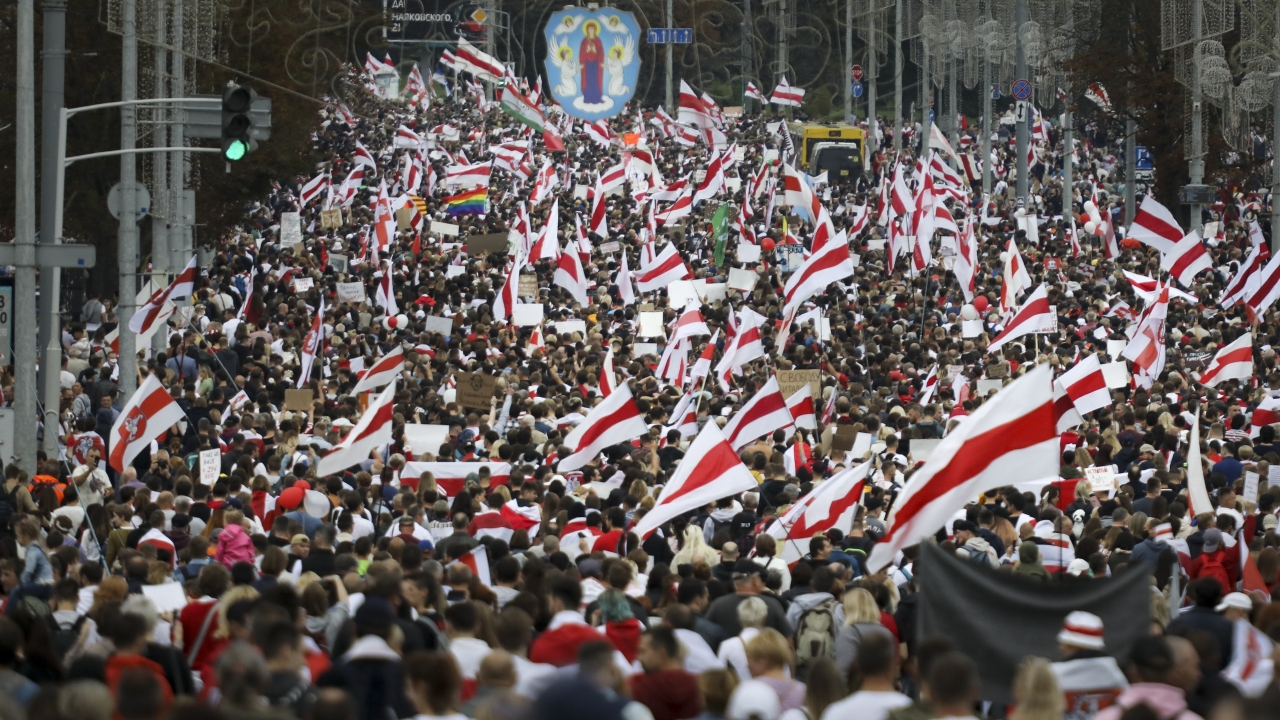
x: 1020, y: 111
x: 1021, y: 89
x: 857, y: 89
x: 684, y: 36
x: 664, y: 36
x: 857, y: 72
x: 659, y: 36
x: 995, y: 91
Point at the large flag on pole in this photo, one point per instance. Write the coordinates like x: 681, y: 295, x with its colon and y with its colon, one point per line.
x: 372, y: 432
x: 710, y: 470
x: 147, y: 416
x: 617, y: 419
x: 144, y: 319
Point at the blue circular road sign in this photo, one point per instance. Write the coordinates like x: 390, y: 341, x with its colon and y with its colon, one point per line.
x: 1021, y: 89
x: 857, y: 89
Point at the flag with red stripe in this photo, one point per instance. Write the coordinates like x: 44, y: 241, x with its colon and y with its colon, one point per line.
x: 147, y: 416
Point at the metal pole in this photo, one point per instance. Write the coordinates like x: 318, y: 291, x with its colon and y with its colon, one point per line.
x: 952, y: 125
x: 1068, y: 138
x: 897, y: 75
x: 986, y: 123
x: 1196, y: 163
x: 782, y: 39
x: 1021, y: 13
x: 1130, y: 167
x: 748, y: 35
x: 873, y: 69
x: 927, y: 89
x: 179, y: 248
x: 848, y: 61
x: 52, y: 99
x: 162, y: 205
x: 671, y: 103
x: 127, y: 252
x: 1275, y: 173
x: 24, y: 286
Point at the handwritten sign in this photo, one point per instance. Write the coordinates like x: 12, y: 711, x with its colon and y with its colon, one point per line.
x: 351, y: 292
x: 610, y: 247
x: 475, y: 390
x: 303, y: 284
x: 290, y: 229
x: 1251, y: 487
x: 790, y: 381
x: 339, y: 262
x: 528, y: 287
x: 210, y: 466
x: 1101, y: 479
x: 443, y: 228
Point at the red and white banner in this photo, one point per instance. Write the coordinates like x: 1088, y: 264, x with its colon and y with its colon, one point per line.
x: 451, y: 477
x: 1154, y: 225
x: 617, y: 419
x: 829, y: 265
x: 147, y: 416
x: 144, y: 318
x: 1011, y: 438
x: 1186, y: 259
x: 786, y: 94
x: 372, y: 432
x: 1086, y: 386
x: 385, y: 370
x: 665, y: 269
x: 1233, y: 362
x: 469, y: 59
x: 800, y: 405
x: 1033, y: 317
x: 478, y: 561
x: 831, y: 506
x: 710, y: 470
x: 765, y: 412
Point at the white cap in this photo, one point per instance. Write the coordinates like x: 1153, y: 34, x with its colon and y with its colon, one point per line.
x: 1237, y: 600
x: 316, y: 504
x: 1078, y: 567
x: 753, y: 700
x: 1083, y: 630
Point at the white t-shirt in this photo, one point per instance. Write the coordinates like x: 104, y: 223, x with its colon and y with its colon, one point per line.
x: 867, y: 705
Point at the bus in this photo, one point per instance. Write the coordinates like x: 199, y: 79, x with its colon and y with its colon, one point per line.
x: 840, y: 150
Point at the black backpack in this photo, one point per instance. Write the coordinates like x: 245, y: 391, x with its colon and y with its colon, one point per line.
x: 64, y: 639
x: 8, y: 507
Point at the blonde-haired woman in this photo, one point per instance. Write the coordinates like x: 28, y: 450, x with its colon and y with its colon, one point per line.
x: 695, y: 548
x: 861, y: 618
x: 1036, y: 691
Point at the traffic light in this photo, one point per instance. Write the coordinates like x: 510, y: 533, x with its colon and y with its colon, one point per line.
x: 236, y: 122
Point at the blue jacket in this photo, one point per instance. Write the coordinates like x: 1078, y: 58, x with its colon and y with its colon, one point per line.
x: 37, y: 570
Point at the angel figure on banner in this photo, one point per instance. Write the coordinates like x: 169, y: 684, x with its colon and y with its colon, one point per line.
x: 620, y: 55
x: 561, y: 55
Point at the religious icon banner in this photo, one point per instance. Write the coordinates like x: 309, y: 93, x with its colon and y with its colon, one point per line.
x: 593, y: 61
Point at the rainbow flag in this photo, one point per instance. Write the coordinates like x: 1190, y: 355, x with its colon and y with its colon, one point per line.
x: 471, y: 202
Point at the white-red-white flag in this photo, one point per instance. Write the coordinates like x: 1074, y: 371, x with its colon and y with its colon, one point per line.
x: 148, y: 415
x: 710, y: 470
x: 1154, y: 225
x: 386, y: 369
x: 1245, y: 279
x: 311, y: 346
x: 385, y: 295
x: 144, y: 318
x: 1033, y: 317
x: 1267, y: 289
x: 800, y: 405
x: 665, y: 269
x: 626, y: 291
x: 786, y: 94
x: 372, y: 432
x: 1186, y: 258
x: 617, y: 419
x: 608, y: 380
x: 1015, y: 278
x: 1146, y: 350
x: 831, y: 506
x: 831, y: 264
x: 1085, y: 385
x: 690, y: 323
x: 752, y: 92
x: 1233, y: 362
x: 1011, y: 438
x: 765, y: 412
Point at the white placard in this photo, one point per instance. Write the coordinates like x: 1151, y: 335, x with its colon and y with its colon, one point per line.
x: 1251, y: 487
x: 443, y: 228
x: 748, y: 253
x: 856, y: 258
x: 824, y: 329
x: 876, y: 243
x: 681, y: 293
x: 651, y: 324
x: 733, y: 184
x: 290, y: 229
x: 564, y: 327
x: 1115, y: 347
x: 454, y: 271
x: 986, y: 385
x: 580, y: 192
x: 644, y: 348
x: 1116, y: 374
x: 711, y: 292
x: 351, y: 292
x: 442, y: 325
x: 861, y: 446
x: 1101, y: 479
x: 339, y: 262
x: 168, y: 597
x: 743, y: 280
x: 921, y: 448
x: 971, y: 328
x: 1273, y: 476
x: 526, y: 314
x: 210, y: 466
x: 422, y: 438
x: 301, y: 285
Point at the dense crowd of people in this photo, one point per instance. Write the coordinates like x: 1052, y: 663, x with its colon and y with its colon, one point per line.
x: 475, y: 577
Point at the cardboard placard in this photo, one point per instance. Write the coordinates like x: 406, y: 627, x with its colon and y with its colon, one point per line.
x: 330, y: 219
x: 610, y: 247
x: 971, y: 328
x: 210, y: 466
x: 298, y: 400
x: 651, y: 324
x: 528, y: 287
x: 404, y: 219
x: 526, y: 314
x: 1101, y: 479
x: 339, y: 262
x: 985, y: 386
x: 565, y: 327
x: 301, y: 285
x: 351, y: 292
x: 496, y: 243
x: 422, y: 438
x: 844, y: 437
x: 641, y: 349
x: 743, y: 280
x: 711, y: 292
x: 475, y: 390
x: 790, y: 382
x: 443, y: 228
x: 1116, y: 374
x: 442, y: 325
x: 290, y: 229
x: 748, y: 253
x: 954, y: 371
x: 921, y: 449
x: 1251, y: 487
x: 1273, y: 476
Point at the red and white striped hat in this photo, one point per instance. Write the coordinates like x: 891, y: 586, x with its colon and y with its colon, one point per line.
x: 1083, y: 630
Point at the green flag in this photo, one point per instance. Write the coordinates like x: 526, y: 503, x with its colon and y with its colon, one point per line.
x: 720, y: 231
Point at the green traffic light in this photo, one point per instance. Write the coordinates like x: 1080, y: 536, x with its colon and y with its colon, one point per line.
x: 235, y: 150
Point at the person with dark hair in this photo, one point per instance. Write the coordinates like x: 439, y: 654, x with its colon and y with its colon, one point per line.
x: 665, y: 688
x: 129, y: 635
x: 1151, y: 674
x: 568, y: 630
x: 953, y: 686
x: 371, y: 670
x: 1206, y: 593
x: 281, y: 644
x: 876, y: 667
x: 434, y: 684
x: 12, y: 683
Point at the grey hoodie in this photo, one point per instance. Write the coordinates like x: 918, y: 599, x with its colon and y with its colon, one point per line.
x: 808, y: 601
x: 977, y: 545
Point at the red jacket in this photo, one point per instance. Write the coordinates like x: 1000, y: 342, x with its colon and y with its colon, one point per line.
x: 559, y: 647
x: 116, y: 666
x: 625, y: 636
